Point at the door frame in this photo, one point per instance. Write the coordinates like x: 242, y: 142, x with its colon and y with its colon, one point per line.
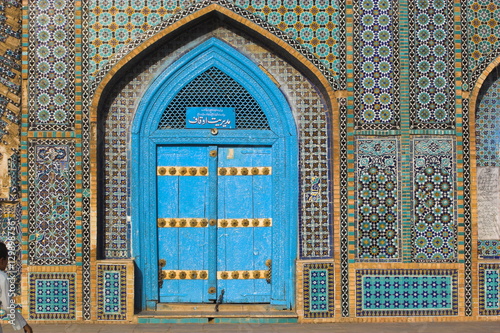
x: 145, y: 137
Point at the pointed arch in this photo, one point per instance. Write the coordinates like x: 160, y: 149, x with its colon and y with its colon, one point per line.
x: 473, y: 105
x: 146, y: 137
x: 133, y: 53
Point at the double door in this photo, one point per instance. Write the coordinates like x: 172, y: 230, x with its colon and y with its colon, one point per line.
x: 215, y: 224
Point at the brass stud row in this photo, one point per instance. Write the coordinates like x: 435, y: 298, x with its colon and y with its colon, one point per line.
x: 181, y: 171
x: 242, y: 275
x: 233, y: 223
x: 243, y: 171
x: 184, y: 275
x: 182, y: 223
x: 202, y: 223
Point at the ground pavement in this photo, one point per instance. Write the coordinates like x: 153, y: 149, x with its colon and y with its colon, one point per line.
x: 427, y: 327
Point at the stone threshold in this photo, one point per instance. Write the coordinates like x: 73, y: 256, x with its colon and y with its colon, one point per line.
x: 227, y: 313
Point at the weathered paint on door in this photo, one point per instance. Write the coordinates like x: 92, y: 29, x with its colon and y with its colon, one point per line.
x: 215, y: 223
x: 181, y: 198
x: 246, y: 199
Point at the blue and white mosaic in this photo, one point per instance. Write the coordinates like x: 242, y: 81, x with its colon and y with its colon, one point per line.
x: 376, y: 64
x: 488, y: 127
x: 434, y: 214
x: 406, y: 292
x: 52, y: 296
x: 377, y: 199
x: 318, y: 290
x: 432, y: 69
x: 52, y: 198
x: 488, y: 249
x: 111, y: 292
x: 52, y: 64
x: 489, y: 289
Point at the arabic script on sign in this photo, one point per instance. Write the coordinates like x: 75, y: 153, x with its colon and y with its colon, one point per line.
x: 197, y: 117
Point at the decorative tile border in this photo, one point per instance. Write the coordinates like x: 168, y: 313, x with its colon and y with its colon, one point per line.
x: 52, y: 296
x: 344, y: 213
x: 489, y: 289
x: 488, y: 249
x: 52, y: 201
x: 406, y: 292
x: 112, y: 292
x: 318, y: 290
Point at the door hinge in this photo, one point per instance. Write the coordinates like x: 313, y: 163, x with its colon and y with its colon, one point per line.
x: 161, y: 273
x: 269, y: 273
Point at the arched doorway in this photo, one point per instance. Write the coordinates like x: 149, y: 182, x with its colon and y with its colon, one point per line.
x: 214, y: 183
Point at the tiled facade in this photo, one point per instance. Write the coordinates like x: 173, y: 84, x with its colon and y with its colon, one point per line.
x: 392, y: 99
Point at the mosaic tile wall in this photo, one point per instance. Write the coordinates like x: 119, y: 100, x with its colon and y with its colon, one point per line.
x: 111, y: 292
x: 377, y: 193
x: 318, y: 290
x: 432, y: 71
x: 314, y: 24
x: 483, y: 35
x: 52, y: 65
x: 376, y: 64
x: 488, y: 249
x: 435, y: 228
x: 489, y: 289
x: 315, y: 28
x: 52, y: 198
x: 488, y: 161
x: 316, y: 232
x: 52, y: 296
x: 488, y: 127
x: 406, y: 292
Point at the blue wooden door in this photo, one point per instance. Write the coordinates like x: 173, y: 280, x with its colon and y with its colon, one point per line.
x: 184, y: 246
x: 214, y: 224
x: 244, y: 208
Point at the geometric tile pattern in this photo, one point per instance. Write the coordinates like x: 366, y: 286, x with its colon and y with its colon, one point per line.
x: 432, y: 69
x: 377, y: 204
x: 409, y: 292
x: 344, y: 210
x: 111, y: 292
x: 52, y: 195
x: 467, y: 209
x: 314, y: 24
x: 52, y: 296
x: 489, y: 289
x: 376, y: 64
x: 318, y: 290
x: 434, y: 231
x: 488, y: 249
x: 488, y: 126
x: 484, y: 30
x: 313, y: 122
x: 52, y: 65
